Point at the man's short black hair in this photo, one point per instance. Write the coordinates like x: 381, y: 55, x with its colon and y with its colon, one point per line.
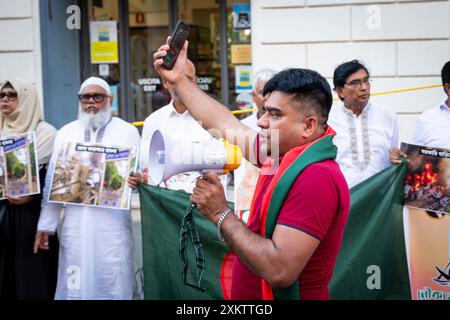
x: 345, y: 70
x: 445, y: 73
x: 307, y: 87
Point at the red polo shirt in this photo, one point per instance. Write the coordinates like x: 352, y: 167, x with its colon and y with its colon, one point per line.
x: 318, y: 205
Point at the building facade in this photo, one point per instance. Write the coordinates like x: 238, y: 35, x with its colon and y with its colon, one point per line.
x: 404, y: 44
x: 50, y: 42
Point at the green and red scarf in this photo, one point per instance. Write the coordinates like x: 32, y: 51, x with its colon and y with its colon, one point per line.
x: 292, y: 164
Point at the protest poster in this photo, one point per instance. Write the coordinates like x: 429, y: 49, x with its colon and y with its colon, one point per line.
x: 19, y: 173
x: 427, y: 221
x: 93, y: 175
x: 427, y: 238
x: 427, y: 184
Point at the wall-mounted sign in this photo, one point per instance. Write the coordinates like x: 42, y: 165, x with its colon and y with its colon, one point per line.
x: 241, y: 54
x: 243, y: 78
x: 104, y: 45
x: 150, y: 84
x: 103, y: 70
x: 241, y: 16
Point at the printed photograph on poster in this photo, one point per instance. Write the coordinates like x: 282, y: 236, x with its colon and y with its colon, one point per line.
x: 427, y: 184
x: 241, y: 16
x: 19, y: 172
x: 93, y: 175
x: 104, y: 44
x: 243, y: 78
x: 429, y: 270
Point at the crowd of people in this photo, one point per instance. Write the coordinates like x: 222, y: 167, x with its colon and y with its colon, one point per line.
x: 301, y: 193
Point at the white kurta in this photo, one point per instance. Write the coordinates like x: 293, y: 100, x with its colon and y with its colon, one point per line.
x: 96, y: 247
x: 433, y: 127
x: 363, y: 141
x: 179, y: 126
x: 252, y: 122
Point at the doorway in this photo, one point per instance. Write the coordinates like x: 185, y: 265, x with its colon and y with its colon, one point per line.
x: 219, y: 47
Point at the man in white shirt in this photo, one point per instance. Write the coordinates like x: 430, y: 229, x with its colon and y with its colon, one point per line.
x: 366, y: 133
x: 173, y: 120
x: 433, y: 126
x: 96, y: 248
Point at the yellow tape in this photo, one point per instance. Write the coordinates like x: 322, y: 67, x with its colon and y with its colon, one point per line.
x: 243, y: 111
x: 401, y: 90
x: 138, y: 123
x: 406, y: 90
x: 235, y: 112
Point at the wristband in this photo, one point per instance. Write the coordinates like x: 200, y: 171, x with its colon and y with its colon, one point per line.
x: 221, y: 220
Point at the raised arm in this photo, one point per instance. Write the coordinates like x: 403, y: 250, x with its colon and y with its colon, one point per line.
x: 213, y: 116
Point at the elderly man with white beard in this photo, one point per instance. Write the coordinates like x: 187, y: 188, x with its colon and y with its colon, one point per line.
x: 96, y: 248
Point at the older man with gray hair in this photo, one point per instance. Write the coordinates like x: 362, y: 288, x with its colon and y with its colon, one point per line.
x: 259, y: 81
x: 96, y: 248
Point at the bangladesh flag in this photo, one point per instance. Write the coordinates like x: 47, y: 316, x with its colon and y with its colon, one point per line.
x: 162, y: 211
x: 372, y: 261
x: 371, y: 264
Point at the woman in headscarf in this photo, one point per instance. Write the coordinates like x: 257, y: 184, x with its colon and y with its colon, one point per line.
x: 23, y: 274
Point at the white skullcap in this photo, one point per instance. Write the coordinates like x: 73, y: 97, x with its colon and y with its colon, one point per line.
x: 96, y: 82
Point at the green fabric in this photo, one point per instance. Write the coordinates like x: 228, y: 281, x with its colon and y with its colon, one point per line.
x: 374, y: 237
x: 161, y: 212
x: 189, y: 230
x: 323, y: 149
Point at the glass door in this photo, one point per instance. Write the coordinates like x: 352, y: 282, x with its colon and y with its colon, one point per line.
x: 149, y: 27
x: 128, y: 32
x: 206, y: 48
x: 204, y: 42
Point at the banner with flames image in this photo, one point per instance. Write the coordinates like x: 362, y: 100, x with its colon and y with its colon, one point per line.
x: 427, y: 184
x: 426, y: 219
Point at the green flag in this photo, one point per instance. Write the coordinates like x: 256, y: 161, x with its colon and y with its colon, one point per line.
x: 162, y: 211
x: 372, y: 261
x: 371, y: 264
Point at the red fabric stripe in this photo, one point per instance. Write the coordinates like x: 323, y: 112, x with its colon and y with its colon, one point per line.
x: 226, y: 275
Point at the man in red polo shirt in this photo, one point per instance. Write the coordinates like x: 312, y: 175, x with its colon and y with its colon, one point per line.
x: 301, y: 203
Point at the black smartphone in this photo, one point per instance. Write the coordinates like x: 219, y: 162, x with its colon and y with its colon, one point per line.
x: 176, y: 43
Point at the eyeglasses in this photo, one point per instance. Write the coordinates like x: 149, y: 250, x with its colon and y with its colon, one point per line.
x: 359, y: 82
x: 11, y: 96
x: 97, y: 97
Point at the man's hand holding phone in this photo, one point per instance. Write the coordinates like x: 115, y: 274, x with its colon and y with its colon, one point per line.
x: 173, y: 54
x: 177, y: 72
